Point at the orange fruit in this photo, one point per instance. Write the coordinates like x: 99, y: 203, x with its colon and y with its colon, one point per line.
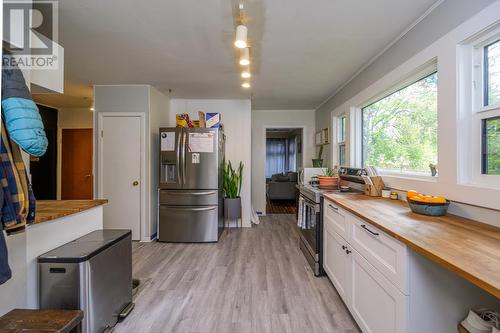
x: 410, y: 194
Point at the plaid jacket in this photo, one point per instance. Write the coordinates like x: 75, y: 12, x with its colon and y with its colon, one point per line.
x: 19, y: 202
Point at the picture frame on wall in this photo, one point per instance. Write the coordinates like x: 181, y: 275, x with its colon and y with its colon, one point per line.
x: 322, y: 137
x: 317, y: 138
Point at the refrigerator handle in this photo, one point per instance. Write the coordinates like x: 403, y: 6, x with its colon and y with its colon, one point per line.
x: 178, y: 162
x: 184, y: 171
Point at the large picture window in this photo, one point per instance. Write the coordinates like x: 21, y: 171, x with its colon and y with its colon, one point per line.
x: 399, y: 131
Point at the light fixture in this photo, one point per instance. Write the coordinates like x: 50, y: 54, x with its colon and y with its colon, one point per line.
x: 246, y: 85
x: 245, y: 57
x: 92, y: 109
x: 245, y: 74
x: 241, y: 37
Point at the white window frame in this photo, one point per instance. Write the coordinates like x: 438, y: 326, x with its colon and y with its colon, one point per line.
x: 472, y: 110
x: 413, y: 77
x: 341, y: 141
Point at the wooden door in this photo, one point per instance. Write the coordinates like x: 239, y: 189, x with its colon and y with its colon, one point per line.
x: 120, y: 172
x: 76, y: 168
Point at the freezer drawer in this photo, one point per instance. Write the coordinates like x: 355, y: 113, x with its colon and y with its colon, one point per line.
x: 189, y: 198
x: 188, y: 224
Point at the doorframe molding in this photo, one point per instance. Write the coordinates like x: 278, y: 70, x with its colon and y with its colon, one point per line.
x: 142, y: 117
x: 264, y: 157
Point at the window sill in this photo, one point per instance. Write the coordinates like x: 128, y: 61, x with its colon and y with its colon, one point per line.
x: 413, y: 177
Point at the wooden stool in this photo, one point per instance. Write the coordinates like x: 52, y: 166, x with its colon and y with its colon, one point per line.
x: 56, y: 321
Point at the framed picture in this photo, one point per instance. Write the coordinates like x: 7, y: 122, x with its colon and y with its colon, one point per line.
x: 317, y: 139
x: 322, y: 137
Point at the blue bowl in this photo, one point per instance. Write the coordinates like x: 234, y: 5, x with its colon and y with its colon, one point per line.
x: 429, y: 208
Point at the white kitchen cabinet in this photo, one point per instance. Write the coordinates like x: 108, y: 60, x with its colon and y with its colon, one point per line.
x: 337, y: 218
x: 386, y: 253
x: 377, y: 305
x: 336, y: 260
x: 369, y: 270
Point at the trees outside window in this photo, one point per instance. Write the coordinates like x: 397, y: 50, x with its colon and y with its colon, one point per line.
x: 399, y: 131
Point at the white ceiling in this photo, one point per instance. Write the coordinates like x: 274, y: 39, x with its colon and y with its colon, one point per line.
x: 302, y: 50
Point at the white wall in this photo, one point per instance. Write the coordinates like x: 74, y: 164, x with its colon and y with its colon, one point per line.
x: 69, y: 118
x: 155, y: 107
x: 159, y: 106
x: 21, y: 291
x: 447, y: 183
x: 236, y: 117
x: 262, y: 119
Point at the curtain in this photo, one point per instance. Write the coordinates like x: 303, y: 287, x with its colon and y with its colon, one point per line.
x: 292, y: 154
x: 275, y: 156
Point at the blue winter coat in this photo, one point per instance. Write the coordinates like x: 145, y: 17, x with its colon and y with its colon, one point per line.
x: 21, y: 114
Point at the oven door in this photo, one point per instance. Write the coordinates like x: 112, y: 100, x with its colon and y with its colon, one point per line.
x: 309, y: 237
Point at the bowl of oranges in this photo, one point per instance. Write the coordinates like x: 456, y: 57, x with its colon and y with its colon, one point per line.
x: 427, y: 204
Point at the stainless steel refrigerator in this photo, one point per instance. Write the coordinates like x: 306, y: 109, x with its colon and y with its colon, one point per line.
x: 190, y: 194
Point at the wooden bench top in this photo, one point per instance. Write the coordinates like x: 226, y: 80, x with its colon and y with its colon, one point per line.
x: 463, y: 246
x: 46, y: 321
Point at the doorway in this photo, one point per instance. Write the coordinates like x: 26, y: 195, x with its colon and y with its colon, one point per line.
x: 76, y: 164
x: 283, y: 161
x: 120, y: 170
x: 43, y: 169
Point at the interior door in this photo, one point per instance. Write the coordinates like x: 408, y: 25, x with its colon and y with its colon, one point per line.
x: 120, y: 176
x: 76, y: 166
x: 201, y: 159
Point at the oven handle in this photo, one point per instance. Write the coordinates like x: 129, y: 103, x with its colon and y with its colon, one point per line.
x: 309, y: 203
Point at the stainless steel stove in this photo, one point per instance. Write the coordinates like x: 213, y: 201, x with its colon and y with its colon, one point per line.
x: 311, y: 202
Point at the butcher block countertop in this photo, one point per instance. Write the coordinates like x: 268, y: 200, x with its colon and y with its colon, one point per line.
x: 47, y: 210
x: 463, y: 246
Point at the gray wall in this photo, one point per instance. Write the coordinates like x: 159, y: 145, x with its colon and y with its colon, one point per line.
x: 440, y: 21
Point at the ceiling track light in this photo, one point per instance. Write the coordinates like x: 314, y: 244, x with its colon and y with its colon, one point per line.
x: 245, y: 57
x: 241, y: 36
x: 246, y: 74
x: 246, y: 85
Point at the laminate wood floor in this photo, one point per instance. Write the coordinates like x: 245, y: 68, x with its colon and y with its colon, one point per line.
x: 253, y: 280
x: 281, y: 207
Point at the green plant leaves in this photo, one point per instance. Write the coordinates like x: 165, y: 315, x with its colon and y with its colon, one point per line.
x: 232, y: 180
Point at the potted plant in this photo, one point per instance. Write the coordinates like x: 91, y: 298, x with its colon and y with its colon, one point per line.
x: 318, y: 162
x: 329, y: 179
x: 232, y: 180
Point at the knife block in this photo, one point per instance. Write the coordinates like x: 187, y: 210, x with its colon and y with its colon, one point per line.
x: 375, y: 190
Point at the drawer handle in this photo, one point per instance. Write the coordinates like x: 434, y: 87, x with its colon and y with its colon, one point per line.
x: 333, y: 207
x: 370, y: 231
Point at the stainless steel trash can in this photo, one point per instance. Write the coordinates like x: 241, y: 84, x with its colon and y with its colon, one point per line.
x: 92, y: 273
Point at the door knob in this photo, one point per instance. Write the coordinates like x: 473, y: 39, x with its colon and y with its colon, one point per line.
x: 135, y: 183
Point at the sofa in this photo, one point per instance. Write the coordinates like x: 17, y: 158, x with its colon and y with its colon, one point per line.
x: 282, y: 186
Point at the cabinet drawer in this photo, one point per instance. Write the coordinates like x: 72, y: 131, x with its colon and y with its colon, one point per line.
x: 384, y: 252
x: 377, y: 305
x: 337, y: 217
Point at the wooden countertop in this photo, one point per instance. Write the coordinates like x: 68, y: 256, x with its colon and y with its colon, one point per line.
x: 463, y: 246
x: 47, y: 210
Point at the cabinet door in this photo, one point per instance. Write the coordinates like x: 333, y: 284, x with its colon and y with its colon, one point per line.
x: 335, y: 259
x: 377, y: 305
